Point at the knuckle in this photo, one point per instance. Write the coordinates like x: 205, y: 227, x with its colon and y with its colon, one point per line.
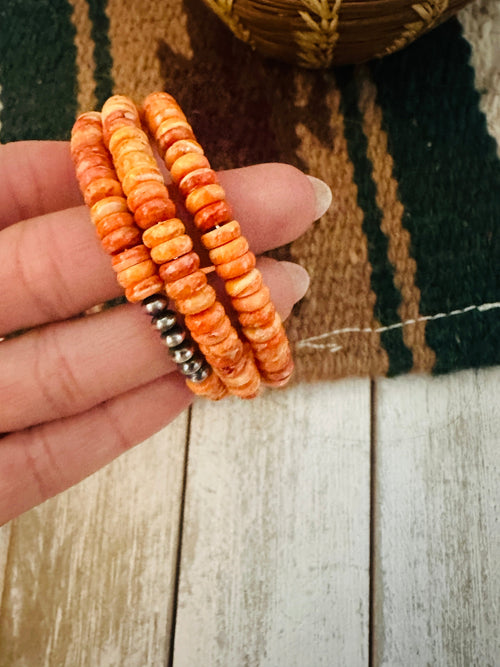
x: 38, y: 268
x: 54, y: 374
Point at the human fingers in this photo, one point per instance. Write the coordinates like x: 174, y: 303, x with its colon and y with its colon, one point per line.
x: 55, y: 268
x: 68, y: 367
x: 38, y: 463
x: 36, y: 177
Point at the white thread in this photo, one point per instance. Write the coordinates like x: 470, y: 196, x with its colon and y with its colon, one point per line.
x: 314, y: 343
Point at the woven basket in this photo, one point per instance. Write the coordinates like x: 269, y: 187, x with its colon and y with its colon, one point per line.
x: 319, y: 33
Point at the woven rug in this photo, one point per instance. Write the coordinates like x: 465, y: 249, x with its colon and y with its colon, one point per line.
x: 405, y: 265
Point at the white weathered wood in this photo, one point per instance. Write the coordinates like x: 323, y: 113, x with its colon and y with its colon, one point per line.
x: 275, y: 550
x: 91, y: 573
x: 437, y: 568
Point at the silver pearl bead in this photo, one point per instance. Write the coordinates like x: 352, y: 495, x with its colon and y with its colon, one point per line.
x: 165, y: 321
x: 201, y: 374
x: 182, y: 354
x: 192, y: 366
x: 155, y: 304
x: 174, y: 337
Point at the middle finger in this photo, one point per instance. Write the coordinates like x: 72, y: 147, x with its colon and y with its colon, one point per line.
x: 61, y: 269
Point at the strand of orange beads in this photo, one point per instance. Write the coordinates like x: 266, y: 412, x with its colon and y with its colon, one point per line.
x: 172, y: 249
x: 121, y: 238
x: 205, y: 199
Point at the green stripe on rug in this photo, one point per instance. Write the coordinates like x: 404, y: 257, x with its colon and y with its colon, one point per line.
x: 102, y: 51
x: 37, y: 70
x: 382, y: 277
x: 449, y: 183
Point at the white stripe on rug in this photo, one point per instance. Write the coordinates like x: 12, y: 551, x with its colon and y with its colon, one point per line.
x: 481, y: 24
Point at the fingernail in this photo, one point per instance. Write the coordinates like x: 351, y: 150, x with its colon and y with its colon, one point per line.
x: 299, y: 278
x: 323, y: 195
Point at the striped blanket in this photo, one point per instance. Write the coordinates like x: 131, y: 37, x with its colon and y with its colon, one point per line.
x: 405, y: 265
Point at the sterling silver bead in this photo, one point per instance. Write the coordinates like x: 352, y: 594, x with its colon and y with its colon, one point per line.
x: 155, y: 304
x: 165, y: 321
x: 174, y: 337
x: 182, y: 353
x: 201, y: 374
x: 192, y: 366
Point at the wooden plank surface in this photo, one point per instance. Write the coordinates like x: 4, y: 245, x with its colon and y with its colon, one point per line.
x: 90, y: 575
x: 275, y: 551
x: 437, y: 547
x: 275, y: 555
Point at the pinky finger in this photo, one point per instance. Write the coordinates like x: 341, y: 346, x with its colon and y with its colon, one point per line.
x: 44, y: 460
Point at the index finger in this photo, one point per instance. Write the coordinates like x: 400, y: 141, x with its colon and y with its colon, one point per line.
x: 37, y: 177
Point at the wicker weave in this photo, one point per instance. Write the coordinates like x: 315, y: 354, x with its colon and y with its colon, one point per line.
x: 319, y: 33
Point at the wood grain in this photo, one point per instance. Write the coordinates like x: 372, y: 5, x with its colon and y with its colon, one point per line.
x: 437, y: 573
x: 90, y: 575
x: 275, y: 552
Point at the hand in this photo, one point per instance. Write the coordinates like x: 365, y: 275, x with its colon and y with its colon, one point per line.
x: 75, y: 392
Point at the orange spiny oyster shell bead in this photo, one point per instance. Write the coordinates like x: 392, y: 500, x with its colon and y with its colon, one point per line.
x: 163, y: 231
x: 255, y: 301
x: 143, y: 289
x: 263, y: 334
x: 212, y: 215
x: 279, y: 378
x: 237, y: 267
x: 258, y: 318
x: 157, y: 115
x: 229, y: 251
x: 204, y: 196
x: 217, y: 334
x: 108, y: 206
x: 171, y: 130
x: 220, y: 235
x: 187, y: 163
x: 100, y: 188
x: 211, y: 387
x: 175, y: 247
x: 243, y: 285
x: 179, y: 267
x: 229, y: 350
x: 145, y: 191
x: 200, y: 300
x: 135, y: 274
x: 138, y: 175
x: 276, y: 341
x: 155, y: 105
x: 128, y: 140
x: 130, y: 257
x: 205, y: 321
x: 112, y: 222
x: 121, y: 239
x: 196, y: 179
x: 154, y: 211
x: 179, y: 148
x: 250, y: 390
x: 244, y: 374
x: 184, y: 287
x: 119, y: 107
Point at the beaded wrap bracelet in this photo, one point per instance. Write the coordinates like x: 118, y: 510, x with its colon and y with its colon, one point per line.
x: 153, y: 255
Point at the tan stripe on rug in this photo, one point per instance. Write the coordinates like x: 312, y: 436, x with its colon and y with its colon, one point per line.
x: 335, y: 252
x: 135, y: 29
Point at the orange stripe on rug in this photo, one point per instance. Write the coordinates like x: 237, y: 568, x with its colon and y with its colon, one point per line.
x: 392, y: 225
x: 85, y: 63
